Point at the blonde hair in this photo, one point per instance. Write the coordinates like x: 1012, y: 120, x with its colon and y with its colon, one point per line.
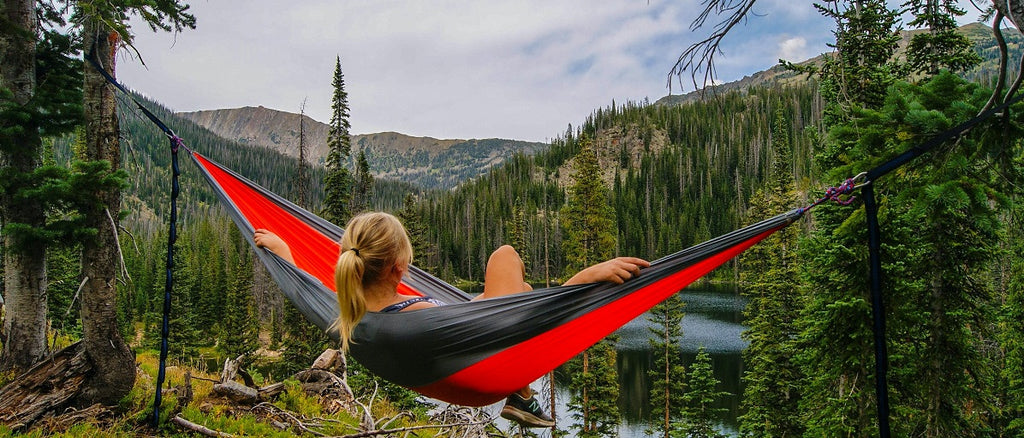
x: 372, y: 244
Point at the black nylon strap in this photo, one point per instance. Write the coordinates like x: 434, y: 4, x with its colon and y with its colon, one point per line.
x: 172, y: 235
x: 937, y: 140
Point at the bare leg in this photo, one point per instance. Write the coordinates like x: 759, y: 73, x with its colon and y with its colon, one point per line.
x: 505, y: 274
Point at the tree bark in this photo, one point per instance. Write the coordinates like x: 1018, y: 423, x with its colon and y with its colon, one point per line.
x: 25, y: 264
x: 44, y: 389
x: 1014, y: 10
x: 114, y: 362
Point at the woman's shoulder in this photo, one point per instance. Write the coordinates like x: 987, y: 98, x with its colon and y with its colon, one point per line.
x: 411, y: 303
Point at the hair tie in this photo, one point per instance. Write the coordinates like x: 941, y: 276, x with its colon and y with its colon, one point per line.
x: 355, y: 250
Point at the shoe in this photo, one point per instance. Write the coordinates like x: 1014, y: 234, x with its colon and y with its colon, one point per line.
x: 526, y: 412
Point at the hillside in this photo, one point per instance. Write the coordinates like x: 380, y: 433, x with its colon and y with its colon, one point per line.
x: 981, y: 34
x: 679, y: 173
x: 424, y: 161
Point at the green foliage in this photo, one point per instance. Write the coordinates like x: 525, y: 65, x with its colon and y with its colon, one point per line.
x: 517, y: 230
x: 165, y: 15
x: 595, y: 390
x: 586, y: 217
x: 699, y: 401
x: 941, y: 223
x: 942, y: 46
x: 668, y: 376
x: 63, y: 269
x: 366, y: 385
x: 423, y: 251
x: 361, y: 190
x: 337, y: 180
x: 303, y: 341
x: 30, y: 189
x: 59, y: 78
x: 1010, y: 419
x: 863, y: 67
x: 295, y: 400
x: 239, y: 325
x: 770, y: 280
x: 690, y: 182
x: 586, y: 221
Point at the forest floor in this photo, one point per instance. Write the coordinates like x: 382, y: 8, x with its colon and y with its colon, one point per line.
x: 200, y: 402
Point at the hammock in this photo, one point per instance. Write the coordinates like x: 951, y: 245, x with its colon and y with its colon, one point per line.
x: 466, y: 352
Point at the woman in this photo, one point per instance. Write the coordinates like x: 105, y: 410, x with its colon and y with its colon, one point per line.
x: 375, y: 255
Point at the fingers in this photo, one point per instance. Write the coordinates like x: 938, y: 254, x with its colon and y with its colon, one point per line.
x: 624, y: 268
x: 260, y: 237
x: 638, y: 262
x: 632, y: 265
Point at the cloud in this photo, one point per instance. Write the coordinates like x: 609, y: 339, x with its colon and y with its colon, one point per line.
x: 793, y: 49
x: 445, y: 68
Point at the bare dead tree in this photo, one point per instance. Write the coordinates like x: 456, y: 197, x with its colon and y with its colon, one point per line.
x: 699, y: 58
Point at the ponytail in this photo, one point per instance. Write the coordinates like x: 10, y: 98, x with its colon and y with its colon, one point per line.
x: 348, y: 280
x: 371, y: 245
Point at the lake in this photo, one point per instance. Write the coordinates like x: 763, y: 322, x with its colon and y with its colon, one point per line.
x: 713, y: 320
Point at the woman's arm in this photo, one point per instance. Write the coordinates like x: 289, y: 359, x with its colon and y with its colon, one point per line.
x: 271, y: 241
x: 616, y: 270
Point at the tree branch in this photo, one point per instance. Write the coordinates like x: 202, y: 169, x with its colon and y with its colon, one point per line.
x: 198, y: 428
x: 413, y: 428
x: 700, y: 56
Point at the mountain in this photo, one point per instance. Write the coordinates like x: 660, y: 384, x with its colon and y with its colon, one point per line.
x: 424, y: 161
x: 981, y: 34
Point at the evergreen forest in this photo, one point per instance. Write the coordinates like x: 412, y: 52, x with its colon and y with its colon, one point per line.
x: 673, y: 175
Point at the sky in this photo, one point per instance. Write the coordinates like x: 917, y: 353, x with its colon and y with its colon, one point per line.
x: 452, y: 69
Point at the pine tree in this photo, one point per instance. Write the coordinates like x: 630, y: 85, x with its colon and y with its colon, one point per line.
x: 517, y: 230
x: 835, y: 348
x: 863, y: 65
x: 702, y: 394
x: 595, y: 388
x: 362, y: 191
x: 957, y: 208
x: 586, y: 217
x: 940, y: 223
x: 770, y: 281
x: 303, y: 340
x: 104, y: 27
x: 23, y: 117
x: 1010, y: 421
x: 423, y: 251
x: 337, y: 180
x: 668, y: 376
x: 302, y: 172
x: 239, y: 328
x: 942, y: 46
x: 589, y: 239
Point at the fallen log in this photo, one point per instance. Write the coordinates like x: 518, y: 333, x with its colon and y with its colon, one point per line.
x: 237, y: 392
x: 46, y: 388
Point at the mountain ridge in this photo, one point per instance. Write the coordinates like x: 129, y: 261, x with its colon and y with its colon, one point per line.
x: 426, y: 161
x: 980, y: 34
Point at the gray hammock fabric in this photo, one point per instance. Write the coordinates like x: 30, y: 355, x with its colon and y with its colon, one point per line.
x: 465, y: 352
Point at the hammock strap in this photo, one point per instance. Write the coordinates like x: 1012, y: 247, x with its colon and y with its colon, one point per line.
x: 874, y: 243
x: 172, y: 234
x: 877, y: 310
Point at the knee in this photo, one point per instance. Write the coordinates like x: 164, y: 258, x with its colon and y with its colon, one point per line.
x: 505, y: 254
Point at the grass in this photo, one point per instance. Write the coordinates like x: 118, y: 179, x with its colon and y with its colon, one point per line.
x: 133, y: 414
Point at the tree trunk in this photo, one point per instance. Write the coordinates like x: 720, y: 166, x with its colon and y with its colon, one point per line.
x: 114, y: 362
x: 25, y: 264
x: 1016, y: 14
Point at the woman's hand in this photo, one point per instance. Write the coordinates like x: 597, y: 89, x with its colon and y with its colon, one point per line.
x: 273, y: 242
x: 616, y: 270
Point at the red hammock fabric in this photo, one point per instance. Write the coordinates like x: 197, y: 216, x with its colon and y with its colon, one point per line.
x: 465, y: 352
